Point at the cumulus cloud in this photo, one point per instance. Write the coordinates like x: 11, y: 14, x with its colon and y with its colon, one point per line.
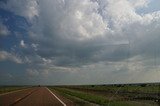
x: 8, y: 56
x: 82, y: 32
x: 32, y: 73
x: 25, y: 8
x: 22, y: 44
x: 34, y: 46
x: 3, y: 30
x: 67, y: 34
x: 94, y: 27
x: 139, y: 3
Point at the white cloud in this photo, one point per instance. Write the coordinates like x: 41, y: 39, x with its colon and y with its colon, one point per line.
x: 68, y: 34
x: 3, y: 30
x: 34, y: 46
x: 8, y: 56
x: 25, y: 8
x: 77, y: 20
x: 139, y: 3
x: 32, y: 73
x: 81, y: 20
x: 22, y: 44
x: 37, y: 73
x: 81, y: 24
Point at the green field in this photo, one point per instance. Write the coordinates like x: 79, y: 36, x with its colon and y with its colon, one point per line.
x: 145, y: 88
x: 5, y: 89
x: 105, y: 95
x: 112, y: 95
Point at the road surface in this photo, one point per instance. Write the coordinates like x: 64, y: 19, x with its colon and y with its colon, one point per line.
x: 38, y: 96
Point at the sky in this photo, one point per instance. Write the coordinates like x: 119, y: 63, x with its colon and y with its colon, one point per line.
x: 61, y: 42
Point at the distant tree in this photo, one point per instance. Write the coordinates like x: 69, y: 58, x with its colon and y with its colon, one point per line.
x: 92, y: 86
x: 143, y: 85
x: 119, y: 85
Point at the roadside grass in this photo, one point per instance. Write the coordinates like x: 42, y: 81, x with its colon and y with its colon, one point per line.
x: 74, y: 99
x: 84, y: 96
x: 130, y: 103
x: 10, y: 88
x: 91, y: 98
x: 97, y: 99
x: 77, y: 101
x: 123, y: 88
x: 133, y: 93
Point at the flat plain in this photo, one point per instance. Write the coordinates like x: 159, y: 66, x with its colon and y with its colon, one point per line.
x: 147, y: 94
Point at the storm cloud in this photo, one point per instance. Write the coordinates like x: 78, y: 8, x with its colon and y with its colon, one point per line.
x: 71, y: 36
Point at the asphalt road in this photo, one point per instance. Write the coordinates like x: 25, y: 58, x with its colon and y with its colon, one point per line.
x: 39, y: 96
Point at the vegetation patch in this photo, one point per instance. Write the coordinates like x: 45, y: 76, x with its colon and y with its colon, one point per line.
x: 88, y: 93
x: 6, y: 89
x: 85, y: 96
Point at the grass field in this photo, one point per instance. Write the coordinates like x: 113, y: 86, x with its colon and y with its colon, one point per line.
x: 105, y: 95
x: 5, y: 89
x: 85, y: 96
x: 142, y: 88
x: 113, y: 95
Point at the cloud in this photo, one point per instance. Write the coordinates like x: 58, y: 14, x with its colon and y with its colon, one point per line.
x: 22, y: 44
x: 139, y: 3
x: 84, y: 32
x: 3, y: 30
x: 32, y: 73
x: 8, y: 56
x: 79, y: 30
x: 34, y: 46
x: 24, y: 8
x: 67, y: 35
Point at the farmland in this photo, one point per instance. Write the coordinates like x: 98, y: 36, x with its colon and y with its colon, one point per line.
x: 112, y: 95
x: 5, y: 89
x: 90, y: 95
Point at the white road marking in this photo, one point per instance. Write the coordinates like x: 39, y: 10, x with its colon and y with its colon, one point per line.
x: 56, y: 97
x: 17, y: 99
